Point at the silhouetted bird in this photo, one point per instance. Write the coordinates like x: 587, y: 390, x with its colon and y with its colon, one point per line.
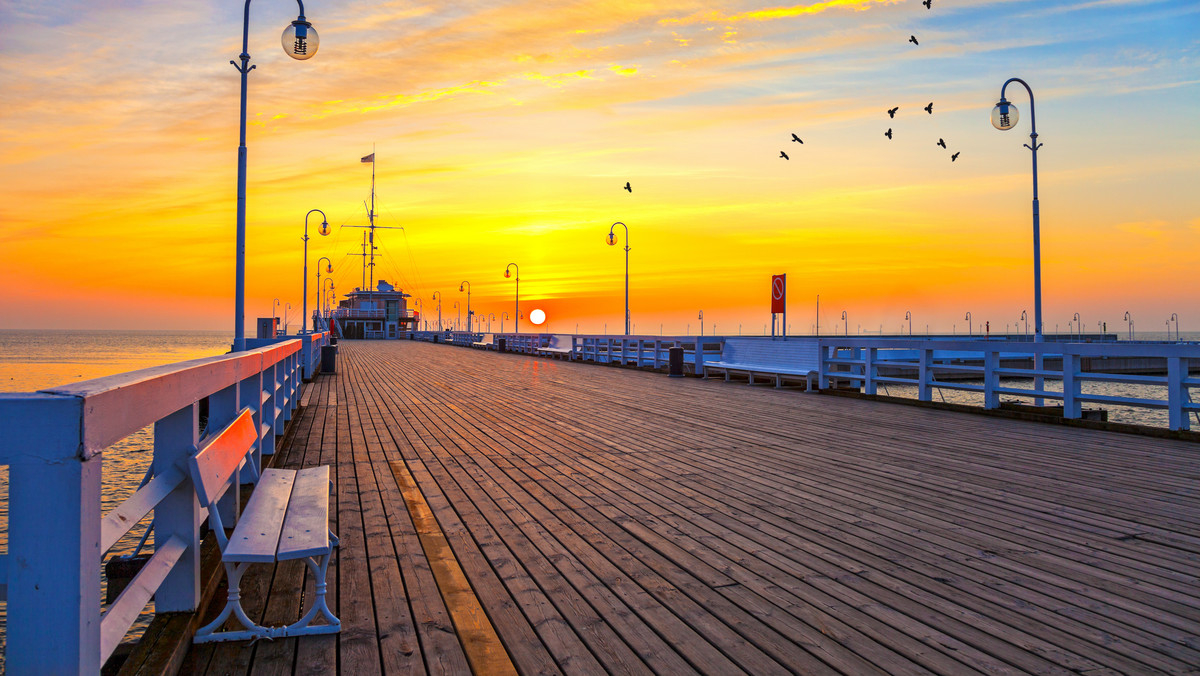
x: 797, y: 139
x: 888, y: 133
x: 627, y: 186
x: 784, y: 155
x: 929, y: 108
x: 913, y: 39
x: 954, y: 156
x: 928, y: 4
x: 892, y: 112
x: 941, y: 143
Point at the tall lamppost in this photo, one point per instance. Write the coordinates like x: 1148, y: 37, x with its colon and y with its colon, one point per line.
x: 1004, y: 117
x: 329, y: 269
x: 612, y: 239
x: 847, y: 323
x: 458, y: 321
x: 491, y: 316
x: 329, y: 296
x: 516, y: 296
x: 1129, y: 320
x: 1025, y: 318
x: 908, y: 316
x: 970, y: 325
x: 1174, y: 318
x: 502, y: 318
x: 300, y: 42
x: 437, y: 295
x: 1078, y: 327
x: 420, y: 313
x: 702, y: 322
x: 460, y: 288
x: 286, y: 310
x: 324, y: 230
x: 274, y: 310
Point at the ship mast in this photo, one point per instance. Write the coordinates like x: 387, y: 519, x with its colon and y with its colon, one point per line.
x: 369, y: 247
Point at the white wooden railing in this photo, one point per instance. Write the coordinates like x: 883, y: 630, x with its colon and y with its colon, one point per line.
x: 53, y: 443
x: 871, y: 362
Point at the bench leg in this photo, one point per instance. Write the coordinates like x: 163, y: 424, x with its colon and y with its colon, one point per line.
x: 318, y: 565
x: 233, y: 604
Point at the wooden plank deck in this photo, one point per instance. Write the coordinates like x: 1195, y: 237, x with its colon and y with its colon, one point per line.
x: 615, y: 521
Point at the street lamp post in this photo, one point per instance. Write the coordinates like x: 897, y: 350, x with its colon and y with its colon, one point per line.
x: 437, y: 295
x: 1174, y: 318
x: 1025, y: 318
x: 1129, y: 320
x: 458, y: 320
x: 970, y: 325
x: 323, y: 230
x: 516, y: 296
x: 612, y: 239
x: 460, y: 288
x: 1004, y: 117
x: 491, y: 316
x: 286, y: 310
x: 329, y: 269
x: 702, y: 322
x: 1078, y: 327
x: 908, y: 316
x: 300, y: 42
x: 502, y: 318
x: 274, y: 311
x: 329, y: 296
x: 847, y: 322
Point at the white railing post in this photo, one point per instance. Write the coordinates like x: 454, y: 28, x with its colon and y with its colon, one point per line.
x: 178, y: 514
x: 279, y: 396
x: 1177, y: 371
x: 991, y: 379
x: 823, y: 366
x: 700, y: 357
x: 925, y: 375
x: 250, y: 393
x: 869, y: 370
x: 1072, y: 407
x: 53, y: 538
x: 222, y: 409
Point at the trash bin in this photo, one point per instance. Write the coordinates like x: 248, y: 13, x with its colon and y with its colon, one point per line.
x: 502, y: 344
x: 329, y: 358
x: 435, y: 338
x: 675, y: 362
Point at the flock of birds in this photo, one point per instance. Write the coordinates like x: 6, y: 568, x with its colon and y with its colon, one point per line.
x: 891, y: 114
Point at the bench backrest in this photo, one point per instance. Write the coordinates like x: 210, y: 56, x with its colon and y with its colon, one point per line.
x: 794, y: 354
x: 560, y: 342
x: 488, y: 338
x: 214, y: 465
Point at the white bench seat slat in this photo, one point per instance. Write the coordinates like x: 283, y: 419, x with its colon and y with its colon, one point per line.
x: 306, y: 526
x: 256, y: 537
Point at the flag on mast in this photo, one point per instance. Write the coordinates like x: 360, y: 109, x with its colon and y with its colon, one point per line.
x: 369, y: 158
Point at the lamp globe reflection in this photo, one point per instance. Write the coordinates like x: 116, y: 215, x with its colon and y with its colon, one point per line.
x: 300, y: 40
x: 1005, y: 115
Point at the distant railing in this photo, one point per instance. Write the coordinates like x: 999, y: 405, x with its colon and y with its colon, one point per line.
x: 929, y: 365
x: 53, y: 443
x: 356, y: 313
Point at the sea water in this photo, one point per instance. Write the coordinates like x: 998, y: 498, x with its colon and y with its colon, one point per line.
x: 37, y: 360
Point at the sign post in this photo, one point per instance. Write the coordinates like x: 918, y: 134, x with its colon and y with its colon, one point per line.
x: 779, y: 303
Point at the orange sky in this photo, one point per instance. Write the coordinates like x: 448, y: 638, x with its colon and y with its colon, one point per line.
x: 504, y: 132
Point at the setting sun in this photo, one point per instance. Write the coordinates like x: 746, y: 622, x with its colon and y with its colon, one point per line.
x: 538, y: 317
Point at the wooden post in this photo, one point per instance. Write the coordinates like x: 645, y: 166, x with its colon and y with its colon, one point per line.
x: 991, y: 380
x: 178, y: 514
x: 1177, y: 371
x: 925, y: 375
x: 1072, y: 407
x: 53, y: 538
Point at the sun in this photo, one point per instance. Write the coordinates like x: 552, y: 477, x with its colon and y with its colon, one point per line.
x: 538, y: 317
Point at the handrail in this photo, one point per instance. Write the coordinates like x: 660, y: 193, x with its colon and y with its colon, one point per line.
x: 918, y: 362
x: 53, y: 442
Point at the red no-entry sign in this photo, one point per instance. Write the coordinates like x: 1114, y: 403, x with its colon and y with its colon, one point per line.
x: 778, y: 293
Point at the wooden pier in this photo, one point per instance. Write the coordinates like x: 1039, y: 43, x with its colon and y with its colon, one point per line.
x: 501, y: 513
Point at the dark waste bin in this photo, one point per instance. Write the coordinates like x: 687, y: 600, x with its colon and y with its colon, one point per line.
x: 502, y: 344
x: 436, y: 337
x: 329, y: 358
x: 675, y: 362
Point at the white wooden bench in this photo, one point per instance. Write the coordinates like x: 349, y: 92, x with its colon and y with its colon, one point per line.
x: 485, y: 342
x: 779, y: 360
x: 558, y: 346
x: 286, y: 518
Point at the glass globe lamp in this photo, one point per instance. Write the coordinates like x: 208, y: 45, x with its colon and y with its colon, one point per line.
x: 300, y: 40
x: 612, y: 238
x: 325, y: 229
x: 506, y: 275
x: 1005, y: 116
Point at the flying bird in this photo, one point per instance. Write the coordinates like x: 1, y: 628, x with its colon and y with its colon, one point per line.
x: 955, y: 156
x: 627, y: 186
x: 888, y: 133
x: 929, y: 108
x: 913, y: 39
x: 941, y: 143
x: 892, y: 112
x: 784, y: 155
x: 797, y: 139
x: 928, y: 4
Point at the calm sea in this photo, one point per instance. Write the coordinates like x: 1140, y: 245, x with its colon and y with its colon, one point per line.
x: 35, y: 360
